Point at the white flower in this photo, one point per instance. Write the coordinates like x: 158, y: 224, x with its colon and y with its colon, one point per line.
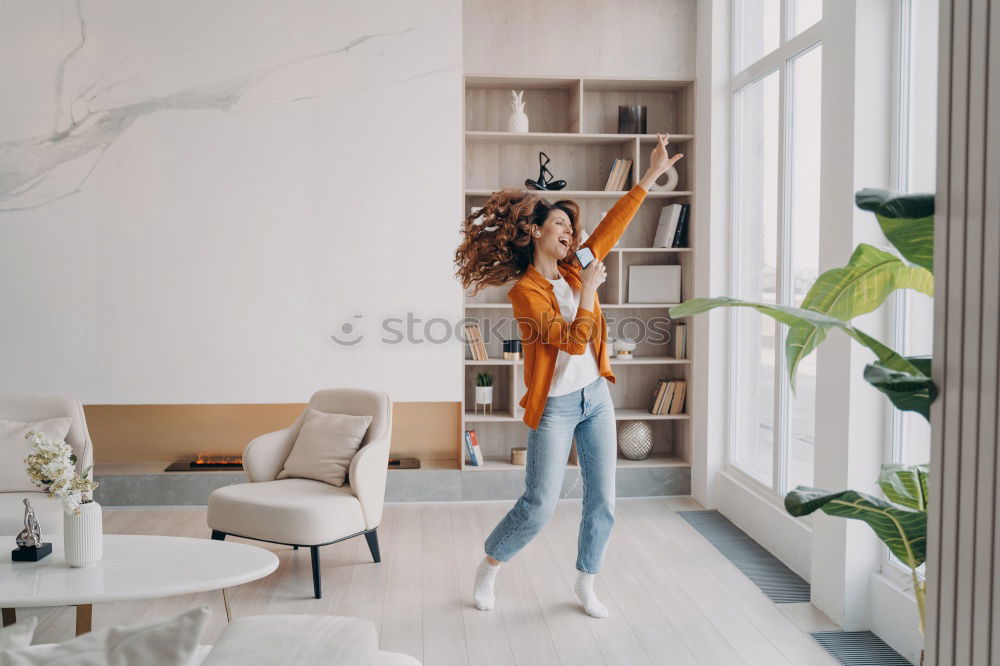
x: 51, y: 466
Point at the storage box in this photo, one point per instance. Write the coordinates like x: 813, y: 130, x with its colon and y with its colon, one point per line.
x: 654, y: 284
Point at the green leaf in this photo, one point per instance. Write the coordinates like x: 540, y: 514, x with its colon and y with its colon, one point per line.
x: 905, y: 485
x: 792, y: 316
x: 886, y: 356
x: 903, y: 530
x: 907, y: 391
x: 858, y: 288
x: 907, y: 220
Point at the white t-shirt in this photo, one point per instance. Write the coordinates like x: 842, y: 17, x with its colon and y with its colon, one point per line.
x: 573, y: 372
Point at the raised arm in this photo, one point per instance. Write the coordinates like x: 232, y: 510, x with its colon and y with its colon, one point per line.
x: 617, y: 220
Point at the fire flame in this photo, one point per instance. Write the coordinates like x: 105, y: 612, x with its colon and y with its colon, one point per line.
x: 205, y: 459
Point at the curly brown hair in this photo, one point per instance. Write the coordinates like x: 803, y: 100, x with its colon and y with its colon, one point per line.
x: 496, y: 242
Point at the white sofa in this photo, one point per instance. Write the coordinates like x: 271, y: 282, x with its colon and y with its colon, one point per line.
x: 290, y: 640
x: 261, y: 640
x: 29, y: 408
x: 303, y: 512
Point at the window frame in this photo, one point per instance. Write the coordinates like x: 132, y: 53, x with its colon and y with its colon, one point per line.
x: 780, y: 59
x: 897, y: 306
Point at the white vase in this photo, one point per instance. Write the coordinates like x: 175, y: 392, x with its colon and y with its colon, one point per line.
x: 484, y: 395
x: 517, y: 122
x: 83, y: 536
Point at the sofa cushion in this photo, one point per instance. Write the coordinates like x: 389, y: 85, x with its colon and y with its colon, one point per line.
x: 325, y: 446
x: 48, y: 510
x: 384, y: 658
x: 292, y: 640
x: 14, y: 448
x: 18, y: 635
x: 295, y: 511
x: 169, y: 642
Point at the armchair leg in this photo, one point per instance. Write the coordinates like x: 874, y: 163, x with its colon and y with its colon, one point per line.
x: 317, y: 587
x: 218, y: 536
x: 9, y: 616
x: 295, y: 547
x: 372, y: 537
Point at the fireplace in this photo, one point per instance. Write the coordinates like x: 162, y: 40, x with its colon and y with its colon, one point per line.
x: 208, y: 462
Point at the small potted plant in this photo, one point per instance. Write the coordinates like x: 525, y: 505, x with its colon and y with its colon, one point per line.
x: 484, y: 391
x: 52, y: 466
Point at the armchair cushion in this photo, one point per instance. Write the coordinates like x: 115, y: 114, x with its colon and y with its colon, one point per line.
x: 325, y: 447
x: 14, y: 448
x: 296, y: 511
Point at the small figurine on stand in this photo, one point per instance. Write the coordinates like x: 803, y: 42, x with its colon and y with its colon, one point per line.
x: 30, y: 547
x: 544, y: 183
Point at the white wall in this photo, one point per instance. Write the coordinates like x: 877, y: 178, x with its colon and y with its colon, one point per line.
x: 581, y: 38
x: 194, y: 196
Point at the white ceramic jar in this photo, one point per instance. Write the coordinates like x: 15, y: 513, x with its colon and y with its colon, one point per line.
x: 83, y: 535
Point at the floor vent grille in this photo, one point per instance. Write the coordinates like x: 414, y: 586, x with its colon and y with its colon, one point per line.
x: 778, y: 582
x: 859, y: 648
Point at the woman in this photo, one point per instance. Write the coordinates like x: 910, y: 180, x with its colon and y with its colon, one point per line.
x: 566, y: 368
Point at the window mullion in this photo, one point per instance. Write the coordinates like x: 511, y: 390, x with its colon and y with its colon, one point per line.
x: 786, y: 21
x: 783, y: 278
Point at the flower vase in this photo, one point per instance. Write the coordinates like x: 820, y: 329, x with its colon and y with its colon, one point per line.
x: 83, y: 535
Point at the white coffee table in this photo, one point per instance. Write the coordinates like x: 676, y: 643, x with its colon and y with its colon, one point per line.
x: 133, y: 567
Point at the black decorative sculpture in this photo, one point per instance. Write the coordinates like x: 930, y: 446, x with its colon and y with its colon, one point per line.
x: 544, y: 183
x: 30, y: 547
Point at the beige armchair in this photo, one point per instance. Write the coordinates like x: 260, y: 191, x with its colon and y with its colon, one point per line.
x: 30, y: 408
x: 303, y: 512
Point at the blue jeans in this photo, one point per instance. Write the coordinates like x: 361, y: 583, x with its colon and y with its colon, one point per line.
x: 587, y: 414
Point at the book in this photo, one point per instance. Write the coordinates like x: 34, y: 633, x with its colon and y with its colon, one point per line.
x: 680, y: 341
x: 475, y: 339
x: 623, y: 172
x: 656, y: 395
x: 667, y: 398
x: 660, y: 396
x: 612, y: 176
x: 480, y: 345
x: 468, y: 448
x: 666, y: 228
x: 677, y: 405
x: 680, y: 237
x: 476, y: 451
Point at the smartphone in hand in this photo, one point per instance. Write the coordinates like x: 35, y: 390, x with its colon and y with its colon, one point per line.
x: 585, y: 255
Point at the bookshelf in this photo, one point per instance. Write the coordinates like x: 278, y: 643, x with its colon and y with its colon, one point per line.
x: 574, y: 121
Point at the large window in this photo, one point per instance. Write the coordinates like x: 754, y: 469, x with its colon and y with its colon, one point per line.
x: 775, y: 216
x: 911, y: 315
x: 915, y: 139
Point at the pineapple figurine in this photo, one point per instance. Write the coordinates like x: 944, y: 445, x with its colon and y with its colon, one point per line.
x: 517, y: 121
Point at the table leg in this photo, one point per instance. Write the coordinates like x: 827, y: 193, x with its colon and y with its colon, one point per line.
x: 9, y: 616
x: 225, y: 601
x: 84, y: 615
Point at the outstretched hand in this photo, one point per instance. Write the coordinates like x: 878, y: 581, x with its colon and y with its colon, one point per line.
x: 659, y: 161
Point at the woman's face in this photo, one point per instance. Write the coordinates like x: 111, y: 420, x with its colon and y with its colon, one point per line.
x: 556, y: 235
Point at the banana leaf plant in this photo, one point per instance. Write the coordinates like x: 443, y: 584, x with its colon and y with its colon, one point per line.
x: 900, y: 521
x: 837, y: 296
x: 860, y: 287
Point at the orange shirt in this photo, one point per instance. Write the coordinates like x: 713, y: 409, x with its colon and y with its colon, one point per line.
x: 544, y: 331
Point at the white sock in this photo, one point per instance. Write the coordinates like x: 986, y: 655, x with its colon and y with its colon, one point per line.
x: 486, y: 574
x: 584, y: 589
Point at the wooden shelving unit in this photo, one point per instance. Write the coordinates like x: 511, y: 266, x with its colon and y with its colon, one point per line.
x: 574, y: 120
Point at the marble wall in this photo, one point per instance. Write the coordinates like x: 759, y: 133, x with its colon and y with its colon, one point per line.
x: 195, y: 195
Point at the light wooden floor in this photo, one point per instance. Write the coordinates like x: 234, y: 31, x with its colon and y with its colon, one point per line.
x: 673, y: 598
